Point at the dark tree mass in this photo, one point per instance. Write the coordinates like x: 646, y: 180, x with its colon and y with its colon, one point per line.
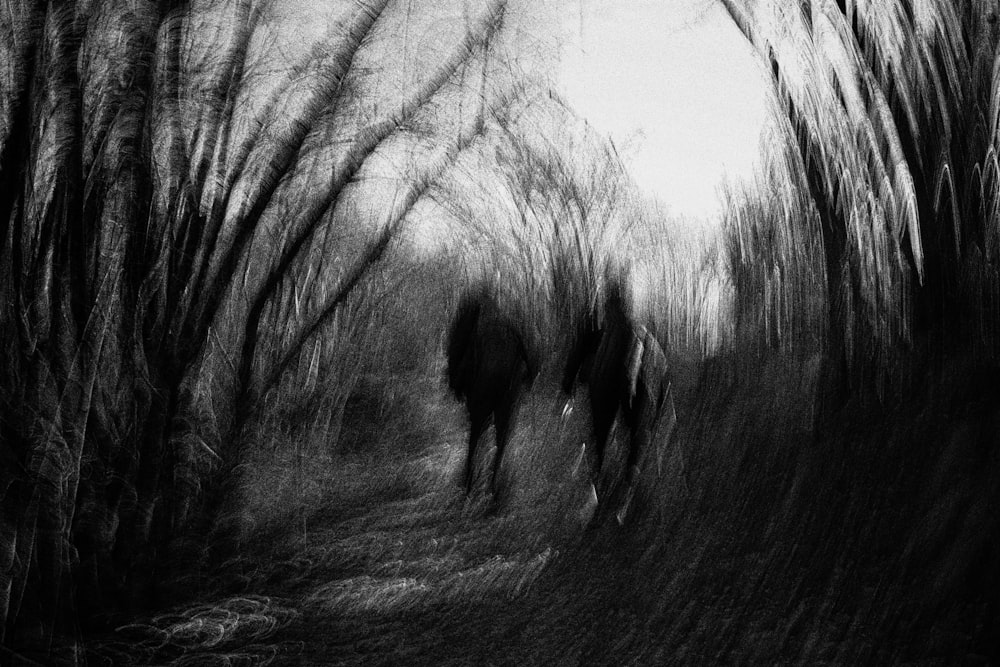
x: 332, y: 334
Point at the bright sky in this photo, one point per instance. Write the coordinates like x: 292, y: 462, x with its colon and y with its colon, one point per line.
x: 675, y: 86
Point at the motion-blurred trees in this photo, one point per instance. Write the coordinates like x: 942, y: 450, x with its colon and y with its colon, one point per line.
x: 549, y: 208
x: 188, y: 189
x: 893, y: 109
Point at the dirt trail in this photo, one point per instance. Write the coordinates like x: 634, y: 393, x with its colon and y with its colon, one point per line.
x: 398, y: 567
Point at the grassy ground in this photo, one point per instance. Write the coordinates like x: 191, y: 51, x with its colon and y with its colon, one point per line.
x: 759, y: 545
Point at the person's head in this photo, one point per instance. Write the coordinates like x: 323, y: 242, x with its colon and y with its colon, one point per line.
x: 615, y: 302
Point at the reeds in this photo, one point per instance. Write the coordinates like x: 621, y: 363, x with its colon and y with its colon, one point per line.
x: 892, y: 113
x: 191, y: 199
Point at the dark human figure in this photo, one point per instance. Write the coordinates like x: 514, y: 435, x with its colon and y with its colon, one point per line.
x: 626, y: 372
x: 489, y: 367
x: 599, y: 358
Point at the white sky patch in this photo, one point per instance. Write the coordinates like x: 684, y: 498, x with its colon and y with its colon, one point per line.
x: 676, y: 87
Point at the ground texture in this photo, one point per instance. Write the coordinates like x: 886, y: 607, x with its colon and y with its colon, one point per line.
x: 740, y: 553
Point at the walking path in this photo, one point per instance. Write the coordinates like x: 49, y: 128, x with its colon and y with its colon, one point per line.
x: 397, y: 567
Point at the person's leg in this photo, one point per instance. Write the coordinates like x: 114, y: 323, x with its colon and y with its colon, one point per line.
x: 479, y: 421
x: 638, y: 422
x: 504, y: 418
x: 604, y: 411
x: 604, y: 420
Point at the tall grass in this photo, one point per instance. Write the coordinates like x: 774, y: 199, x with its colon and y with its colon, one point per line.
x: 683, y: 289
x: 541, y: 210
x: 869, y: 237
x: 773, y: 253
x: 207, y: 212
x: 191, y: 195
x: 893, y: 110
x: 545, y: 208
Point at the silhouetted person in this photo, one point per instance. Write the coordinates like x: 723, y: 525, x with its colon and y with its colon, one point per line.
x: 599, y: 358
x: 489, y: 367
x: 626, y: 372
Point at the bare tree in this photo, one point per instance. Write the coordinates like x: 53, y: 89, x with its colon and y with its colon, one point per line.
x: 164, y: 184
x: 550, y: 210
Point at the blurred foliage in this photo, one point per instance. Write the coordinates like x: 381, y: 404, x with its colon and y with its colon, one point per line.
x: 773, y: 251
x: 196, y: 203
x: 892, y: 112
x: 232, y: 238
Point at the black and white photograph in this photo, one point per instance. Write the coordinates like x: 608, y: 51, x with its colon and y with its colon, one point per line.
x: 499, y: 332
